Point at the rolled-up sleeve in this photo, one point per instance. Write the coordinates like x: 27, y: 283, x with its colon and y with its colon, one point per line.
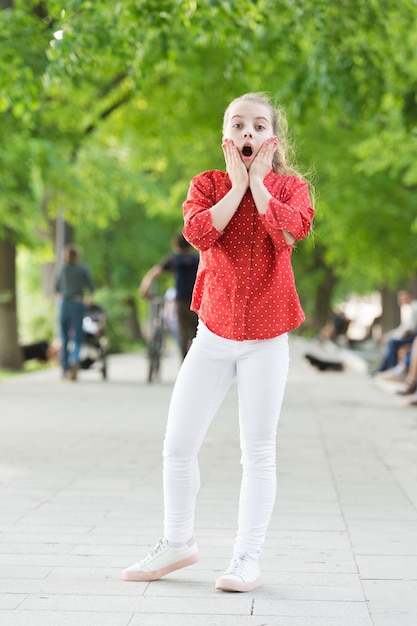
x: 198, y: 223
x: 289, y: 209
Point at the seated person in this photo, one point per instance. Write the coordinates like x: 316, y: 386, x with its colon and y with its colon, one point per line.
x: 409, y: 366
x: 401, y: 336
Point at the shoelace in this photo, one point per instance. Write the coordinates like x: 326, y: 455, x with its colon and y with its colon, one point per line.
x: 158, y: 548
x: 238, y: 564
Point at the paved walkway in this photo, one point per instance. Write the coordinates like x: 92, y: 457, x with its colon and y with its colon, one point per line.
x: 80, y: 499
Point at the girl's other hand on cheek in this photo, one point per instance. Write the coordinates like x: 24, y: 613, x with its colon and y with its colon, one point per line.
x: 234, y: 165
x: 262, y: 163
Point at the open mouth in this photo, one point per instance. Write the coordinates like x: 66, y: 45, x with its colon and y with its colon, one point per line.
x: 247, y: 151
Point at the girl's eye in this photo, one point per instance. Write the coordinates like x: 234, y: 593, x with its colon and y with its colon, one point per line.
x: 260, y: 127
x: 237, y: 125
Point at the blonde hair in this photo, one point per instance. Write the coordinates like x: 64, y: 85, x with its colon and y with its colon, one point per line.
x: 283, y: 160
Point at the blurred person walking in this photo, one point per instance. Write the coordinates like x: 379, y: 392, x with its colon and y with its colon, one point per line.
x: 73, y: 280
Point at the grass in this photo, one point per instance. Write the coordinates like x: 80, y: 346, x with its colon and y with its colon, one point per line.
x: 9, y: 373
x: 27, y: 369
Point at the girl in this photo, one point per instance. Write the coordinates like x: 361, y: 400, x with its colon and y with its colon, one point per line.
x: 244, y: 223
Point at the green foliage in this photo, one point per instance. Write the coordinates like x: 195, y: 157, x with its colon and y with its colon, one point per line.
x: 117, y: 328
x: 361, y: 219
x: 37, y: 308
x: 121, y: 253
x: 109, y: 108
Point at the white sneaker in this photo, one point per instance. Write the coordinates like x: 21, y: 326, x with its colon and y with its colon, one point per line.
x: 162, y: 560
x: 243, y: 574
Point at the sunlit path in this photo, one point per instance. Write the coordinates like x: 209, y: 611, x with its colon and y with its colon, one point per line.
x: 80, y: 479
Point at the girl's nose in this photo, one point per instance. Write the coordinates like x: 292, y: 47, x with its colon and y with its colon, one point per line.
x: 247, y: 133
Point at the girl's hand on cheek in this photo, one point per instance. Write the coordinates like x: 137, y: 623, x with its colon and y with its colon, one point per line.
x: 262, y: 163
x: 234, y: 165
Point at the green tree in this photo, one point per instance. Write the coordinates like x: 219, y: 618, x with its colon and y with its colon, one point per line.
x: 68, y: 70
x: 108, y: 106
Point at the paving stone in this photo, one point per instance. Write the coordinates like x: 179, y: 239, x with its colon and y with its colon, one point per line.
x: 81, y: 499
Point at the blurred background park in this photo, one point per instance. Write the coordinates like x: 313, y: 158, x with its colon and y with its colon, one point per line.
x: 108, y: 108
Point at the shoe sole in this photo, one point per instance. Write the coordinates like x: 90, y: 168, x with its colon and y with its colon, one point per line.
x: 224, y: 584
x: 158, y: 573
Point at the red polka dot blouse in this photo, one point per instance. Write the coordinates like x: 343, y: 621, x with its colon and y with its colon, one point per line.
x: 245, y: 286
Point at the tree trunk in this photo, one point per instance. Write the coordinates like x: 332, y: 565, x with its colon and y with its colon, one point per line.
x: 391, y: 314
x: 10, y: 353
x: 135, y: 330
x: 323, y: 301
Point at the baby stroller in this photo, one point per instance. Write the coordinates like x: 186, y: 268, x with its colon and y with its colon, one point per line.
x: 94, y: 350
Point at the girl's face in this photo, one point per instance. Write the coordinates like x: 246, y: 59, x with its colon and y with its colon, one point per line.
x: 248, y: 125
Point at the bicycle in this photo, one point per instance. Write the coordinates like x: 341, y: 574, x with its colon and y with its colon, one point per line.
x: 157, y: 337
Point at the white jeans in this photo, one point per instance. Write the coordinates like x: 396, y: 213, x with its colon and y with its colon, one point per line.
x: 207, y: 372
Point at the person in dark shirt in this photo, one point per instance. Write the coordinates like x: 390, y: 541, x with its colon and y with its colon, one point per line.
x: 183, y: 264
x: 72, y: 281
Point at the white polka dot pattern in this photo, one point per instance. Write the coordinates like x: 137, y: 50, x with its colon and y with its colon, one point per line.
x: 245, y: 286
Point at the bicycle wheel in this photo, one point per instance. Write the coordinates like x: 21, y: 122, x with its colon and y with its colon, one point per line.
x: 154, y: 354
